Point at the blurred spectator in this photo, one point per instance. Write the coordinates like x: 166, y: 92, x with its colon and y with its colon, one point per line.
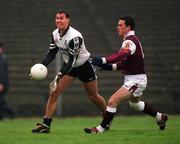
x: 4, y: 85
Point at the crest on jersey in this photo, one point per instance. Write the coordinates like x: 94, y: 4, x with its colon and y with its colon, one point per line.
x: 65, y: 42
x: 127, y: 45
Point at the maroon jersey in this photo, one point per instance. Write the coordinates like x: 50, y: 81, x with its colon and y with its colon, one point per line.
x: 130, y: 64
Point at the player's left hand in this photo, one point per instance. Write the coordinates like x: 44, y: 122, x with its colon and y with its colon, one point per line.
x: 96, y: 61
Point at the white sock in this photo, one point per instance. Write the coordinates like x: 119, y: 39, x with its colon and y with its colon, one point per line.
x: 158, y: 116
x: 110, y: 109
x: 100, y: 128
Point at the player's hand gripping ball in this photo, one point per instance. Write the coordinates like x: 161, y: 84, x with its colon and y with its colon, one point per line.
x: 38, y: 72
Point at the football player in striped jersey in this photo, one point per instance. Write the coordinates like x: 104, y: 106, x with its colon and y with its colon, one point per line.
x: 130, y: 60
x: 70, y: 44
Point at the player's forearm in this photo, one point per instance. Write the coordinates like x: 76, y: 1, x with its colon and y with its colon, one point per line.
x: 50, y: 56
x: 109, y: 67
x: 67, y: 67
x: 116, y: 57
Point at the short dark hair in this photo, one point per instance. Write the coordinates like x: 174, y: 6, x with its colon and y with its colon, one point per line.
x: 129, y: 21
x: 64, y: 12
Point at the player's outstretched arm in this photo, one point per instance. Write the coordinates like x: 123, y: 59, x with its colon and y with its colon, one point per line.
x: 96, y: 61
x: 111, y: 67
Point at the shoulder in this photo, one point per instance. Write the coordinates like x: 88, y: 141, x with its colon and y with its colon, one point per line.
x: 74, y: 33
x: 133, y: 38
x: 128, y: 43
x: 55, y: 32
x: 75, y: 42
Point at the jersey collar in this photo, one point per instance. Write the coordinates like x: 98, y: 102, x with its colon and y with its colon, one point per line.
x: 129, y: 33
x: 64, y: 31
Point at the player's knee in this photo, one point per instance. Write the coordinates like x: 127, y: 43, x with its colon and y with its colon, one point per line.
x: 93, y: 97
x: 112, y: 103
x: 137, y: 106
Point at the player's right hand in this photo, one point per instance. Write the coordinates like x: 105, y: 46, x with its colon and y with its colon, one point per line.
x: 54, y: 83
x: 30, y: 75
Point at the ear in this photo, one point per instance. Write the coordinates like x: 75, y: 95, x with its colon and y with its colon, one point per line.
x: 68, y: 20
x: 129, y: 28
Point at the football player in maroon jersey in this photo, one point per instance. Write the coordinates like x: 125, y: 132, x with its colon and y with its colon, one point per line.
x: 130, y: 60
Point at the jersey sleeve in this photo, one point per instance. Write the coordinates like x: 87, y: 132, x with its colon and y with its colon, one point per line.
x: 129, y: 44
x: 128, y: 48
x: 73, y: 51
x: 50, y: 55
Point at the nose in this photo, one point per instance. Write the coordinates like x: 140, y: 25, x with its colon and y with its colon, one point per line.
x: 117, y: 28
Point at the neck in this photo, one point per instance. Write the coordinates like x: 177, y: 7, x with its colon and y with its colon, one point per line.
x: 63, y: 31
x: 131, y: 32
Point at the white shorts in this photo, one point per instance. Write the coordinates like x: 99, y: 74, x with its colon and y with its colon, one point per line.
x: 136, y: 84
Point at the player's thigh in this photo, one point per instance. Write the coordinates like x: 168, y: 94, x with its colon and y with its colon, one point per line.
x: 63, y: 83
x: 136, y: 84
x: 91, y: 88
x: 120, y: 95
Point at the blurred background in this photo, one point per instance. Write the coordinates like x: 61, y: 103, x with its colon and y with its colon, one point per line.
x: 25, y: 30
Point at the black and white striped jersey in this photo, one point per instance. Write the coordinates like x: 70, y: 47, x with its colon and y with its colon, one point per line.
x: 71, y: 48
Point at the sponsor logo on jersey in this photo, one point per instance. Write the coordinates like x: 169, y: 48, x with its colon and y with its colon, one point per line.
x: 63, y: 50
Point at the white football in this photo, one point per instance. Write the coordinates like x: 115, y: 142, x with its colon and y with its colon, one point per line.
x: 38, y: 71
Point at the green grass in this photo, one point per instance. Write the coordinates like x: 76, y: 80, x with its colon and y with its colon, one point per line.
x: 124, y: 130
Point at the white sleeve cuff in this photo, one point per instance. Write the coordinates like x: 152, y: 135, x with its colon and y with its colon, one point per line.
x: 114, y: 66
x: 104, y: 60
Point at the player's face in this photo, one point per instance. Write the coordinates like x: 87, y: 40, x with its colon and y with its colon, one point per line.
x: 122, y: 29
x: 61, y: 21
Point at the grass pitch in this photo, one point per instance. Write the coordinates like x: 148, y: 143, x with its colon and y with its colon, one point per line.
x: 124, y: 130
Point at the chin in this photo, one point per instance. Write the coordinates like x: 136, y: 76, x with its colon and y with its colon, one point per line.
x: 119, y: 34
